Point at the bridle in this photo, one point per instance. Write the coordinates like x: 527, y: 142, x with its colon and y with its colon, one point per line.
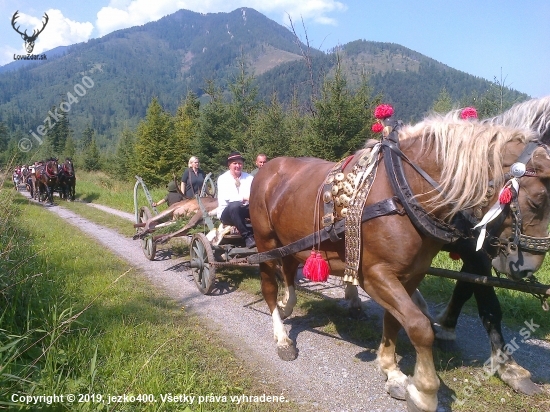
x: 518, y: 240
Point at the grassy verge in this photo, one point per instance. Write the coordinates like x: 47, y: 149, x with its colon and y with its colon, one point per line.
x: 80, y: 320
x: 98, y: 187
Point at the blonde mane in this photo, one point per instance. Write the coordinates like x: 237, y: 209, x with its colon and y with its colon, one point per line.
x: 533, y: 114
x: 469, y: 154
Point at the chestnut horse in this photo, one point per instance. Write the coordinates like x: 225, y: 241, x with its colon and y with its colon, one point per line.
x: 533, y: 114
x: 46, y: 176
x: 397, y: 249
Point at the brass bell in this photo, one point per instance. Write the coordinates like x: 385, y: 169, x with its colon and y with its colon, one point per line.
x: 344, y: 212
x: 334, y: 190
x: 327, y: 197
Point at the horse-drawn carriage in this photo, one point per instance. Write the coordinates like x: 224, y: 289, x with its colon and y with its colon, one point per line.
x: 479, y: 189
x: 214, y: 246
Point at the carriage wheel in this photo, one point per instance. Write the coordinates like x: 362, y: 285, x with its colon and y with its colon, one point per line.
x: 149, y: 247
x: 203, y: 271
x: 208, y: 187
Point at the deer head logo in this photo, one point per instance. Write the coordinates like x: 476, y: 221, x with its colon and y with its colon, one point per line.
x: 29, y: 40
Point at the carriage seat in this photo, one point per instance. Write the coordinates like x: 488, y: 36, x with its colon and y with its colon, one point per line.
x: 225, y: 234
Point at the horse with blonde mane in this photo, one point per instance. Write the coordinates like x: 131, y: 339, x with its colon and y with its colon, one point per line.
x: 533, y: 114
x: 419, y: 178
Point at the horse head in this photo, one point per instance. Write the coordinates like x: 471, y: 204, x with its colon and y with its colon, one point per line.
x: 525, y: 201
x: 51, y: 168
x: 504, y: 175
x: 68, y: 168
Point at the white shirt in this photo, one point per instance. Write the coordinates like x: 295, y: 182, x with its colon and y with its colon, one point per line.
x: 229, y: 192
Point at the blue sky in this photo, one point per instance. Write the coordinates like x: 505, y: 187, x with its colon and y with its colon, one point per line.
x: 506, y: 39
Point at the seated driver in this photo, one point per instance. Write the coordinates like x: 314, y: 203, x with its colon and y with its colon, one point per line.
x: 233, y: 195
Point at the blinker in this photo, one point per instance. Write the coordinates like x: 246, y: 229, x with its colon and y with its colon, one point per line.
x: 518, y: 169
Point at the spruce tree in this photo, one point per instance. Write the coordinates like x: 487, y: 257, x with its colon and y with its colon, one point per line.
x: 157, y: 158
x: 125, y: 155
x: 92, y: 158
x: 185, y: 127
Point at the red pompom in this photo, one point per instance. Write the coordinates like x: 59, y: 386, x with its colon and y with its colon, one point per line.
x: 309, y: 261
x: 316, y: 268
x: 377, y: 127
x: 505, y: 196
x: 383, y: 111
x: 468, y: 112
x: 454, y: 256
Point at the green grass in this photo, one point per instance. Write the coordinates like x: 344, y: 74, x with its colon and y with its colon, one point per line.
x: 83, y: 321
x: 98, y: 187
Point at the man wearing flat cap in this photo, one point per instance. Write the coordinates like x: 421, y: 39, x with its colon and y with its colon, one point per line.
x: 233, y: 194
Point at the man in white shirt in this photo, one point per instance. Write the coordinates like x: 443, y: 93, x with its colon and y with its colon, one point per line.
x: 233, y: 194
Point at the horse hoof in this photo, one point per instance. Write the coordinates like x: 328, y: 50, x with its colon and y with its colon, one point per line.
x: 525, y: 386
x: 418, y: 401
x: 397, y: 391
x: 287, y: 353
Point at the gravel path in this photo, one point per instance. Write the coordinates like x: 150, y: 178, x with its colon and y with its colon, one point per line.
x: 330, y: 373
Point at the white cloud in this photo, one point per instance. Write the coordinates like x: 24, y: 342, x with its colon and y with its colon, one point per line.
x: 120, y: 14
x: 59, y: 31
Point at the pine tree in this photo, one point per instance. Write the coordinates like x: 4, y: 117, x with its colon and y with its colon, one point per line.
x: 156, y: 155
x: 444, y: 102
x: 338, y: 127
x: 87, y: 136
x: 57, y: 135
x: 92, y: 158
x: 125, y: 155
x: 70, y: 148
x: 186, y: 125
x: 214, y: 133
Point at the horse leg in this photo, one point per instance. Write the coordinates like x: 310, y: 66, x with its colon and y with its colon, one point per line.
x: 396, y: 384
x: 286, y: 305
x: 352, y: 296
x: 285, y: 347
x: 501, y: 362
x: 421, y: 388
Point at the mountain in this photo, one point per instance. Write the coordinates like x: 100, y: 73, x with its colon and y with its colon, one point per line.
x: 110, y: 81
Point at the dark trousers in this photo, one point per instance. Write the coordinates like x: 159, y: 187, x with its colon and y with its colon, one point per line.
x: 235, y: 214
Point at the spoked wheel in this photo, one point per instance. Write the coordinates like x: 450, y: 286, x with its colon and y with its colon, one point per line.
x: 202, y: 257
x: 149, y: 247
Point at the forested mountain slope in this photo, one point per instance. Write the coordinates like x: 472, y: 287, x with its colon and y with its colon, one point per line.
x: 178, y: 53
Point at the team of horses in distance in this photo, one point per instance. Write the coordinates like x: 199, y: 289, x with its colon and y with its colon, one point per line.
x: 46, y: 177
